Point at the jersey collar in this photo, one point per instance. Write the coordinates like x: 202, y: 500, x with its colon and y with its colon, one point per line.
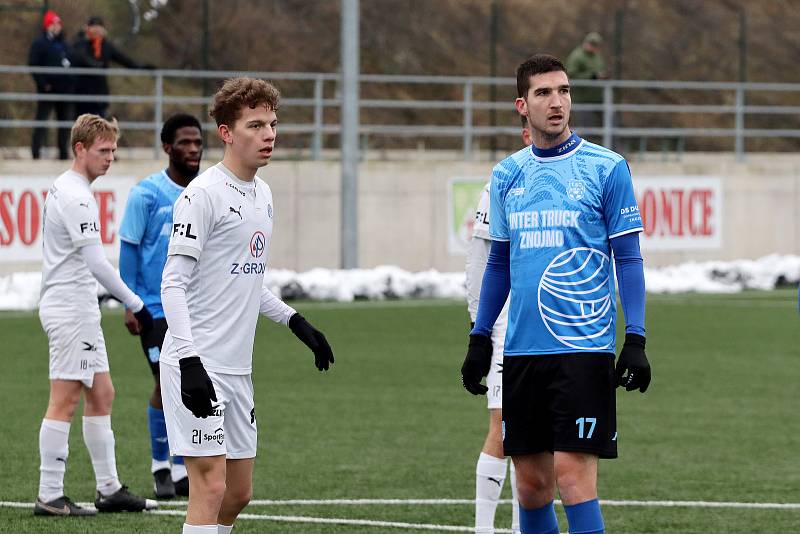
x: 565, y: 149
x: 236, y: 179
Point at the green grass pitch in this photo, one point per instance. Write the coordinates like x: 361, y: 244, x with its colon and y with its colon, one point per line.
x: 391, y: 420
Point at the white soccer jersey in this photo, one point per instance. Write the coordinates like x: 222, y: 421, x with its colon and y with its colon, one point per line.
x: 226, y: 225
x: 71, y: 221
x: 480, y: 227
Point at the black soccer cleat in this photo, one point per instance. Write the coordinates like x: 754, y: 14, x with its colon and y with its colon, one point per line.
x: 182, y: 487
x: 123, y: 501
x: 163, y: 486
x: 63, y: 506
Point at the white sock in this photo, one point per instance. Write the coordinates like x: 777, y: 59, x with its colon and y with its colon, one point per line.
x: 158, y: 465
x: 514, y: 499
x: 178, y: 472
x: 199, y: 529
x: 99, y: 439
x: 53, y: 451
x: 490, y: 473
x: 224, y: 529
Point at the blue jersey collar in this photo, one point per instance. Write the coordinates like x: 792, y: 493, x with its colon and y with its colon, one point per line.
x: 567, y: 147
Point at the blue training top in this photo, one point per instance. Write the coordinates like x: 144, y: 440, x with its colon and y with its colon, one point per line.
x: 558, y: 209
x: 145, y: 231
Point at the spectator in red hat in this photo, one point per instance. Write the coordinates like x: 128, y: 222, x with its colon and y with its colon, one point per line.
x: 50, y: 50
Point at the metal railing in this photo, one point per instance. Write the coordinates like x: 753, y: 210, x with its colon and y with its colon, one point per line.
x: 610, y: 128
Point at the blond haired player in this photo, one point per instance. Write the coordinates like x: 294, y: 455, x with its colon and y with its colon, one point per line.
x: 73, y: 263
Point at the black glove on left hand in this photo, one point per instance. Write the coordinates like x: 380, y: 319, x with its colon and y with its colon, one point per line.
x: 314, y: 340
x: 145, y: 320
x: 477, y: 364
x: 633, y: 360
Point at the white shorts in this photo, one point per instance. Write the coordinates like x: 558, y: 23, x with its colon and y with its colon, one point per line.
x: 494, y: 380
x: 77, y: 347
x: 232, y: 429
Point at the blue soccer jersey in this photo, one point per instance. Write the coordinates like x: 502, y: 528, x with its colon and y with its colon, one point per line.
x: 558, y: 208
x: 147, y: 223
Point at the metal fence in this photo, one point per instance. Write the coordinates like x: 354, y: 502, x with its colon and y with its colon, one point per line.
x: 726, y: 101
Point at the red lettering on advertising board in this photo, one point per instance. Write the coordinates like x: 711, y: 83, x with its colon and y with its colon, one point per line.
x: 28, y: 218
x: 7, y: 228
x: 677, y: 212
x: 105, y: 205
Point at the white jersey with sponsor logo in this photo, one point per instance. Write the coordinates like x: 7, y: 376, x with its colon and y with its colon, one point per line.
x: 71, y: 221
x: 226, y: 225
x: 480, y: 228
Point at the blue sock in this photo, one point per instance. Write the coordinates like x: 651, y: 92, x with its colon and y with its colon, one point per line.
x: 538, y: 520
x: 177, y: 460
x: 158, y: 434
x: 585, y: 518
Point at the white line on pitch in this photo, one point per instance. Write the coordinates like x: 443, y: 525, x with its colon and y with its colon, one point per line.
x: 434, y: 502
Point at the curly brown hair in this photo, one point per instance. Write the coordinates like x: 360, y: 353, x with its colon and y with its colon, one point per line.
x: 236, y: 93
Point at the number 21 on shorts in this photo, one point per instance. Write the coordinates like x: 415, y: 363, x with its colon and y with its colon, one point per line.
x: 582, y: 423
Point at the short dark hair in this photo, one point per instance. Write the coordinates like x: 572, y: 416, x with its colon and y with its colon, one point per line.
x: 175, y: 123
x: 536, y: 64
x: 237, y: 93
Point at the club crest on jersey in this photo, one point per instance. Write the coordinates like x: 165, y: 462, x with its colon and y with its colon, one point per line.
x: 257, y: 244
x: 575, y: 190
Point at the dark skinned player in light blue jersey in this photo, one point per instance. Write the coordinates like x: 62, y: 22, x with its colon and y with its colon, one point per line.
x: 144, y: 238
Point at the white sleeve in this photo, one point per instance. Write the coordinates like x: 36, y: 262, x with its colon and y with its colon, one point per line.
x: 174, y: 281
x: 274, y: 308
x: 108, y: 277
x: 477, y: 254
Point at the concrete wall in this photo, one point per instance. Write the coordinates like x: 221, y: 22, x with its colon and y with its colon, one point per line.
x: 403, y: 217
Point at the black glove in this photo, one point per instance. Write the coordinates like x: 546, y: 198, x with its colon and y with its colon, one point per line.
x: 477, y: 364
x: 314, y: 340
x: 145, y: 320
x: 633, y: 360
x: 197, y: 391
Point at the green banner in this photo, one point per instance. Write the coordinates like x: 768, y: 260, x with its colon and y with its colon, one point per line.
x: 462, y: 198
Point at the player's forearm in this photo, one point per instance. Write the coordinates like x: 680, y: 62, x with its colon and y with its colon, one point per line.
x: 108, y: 277
x: 630, y: 280
x: 174, y: 281
x: 477, y: 255
x: 494, y: 288
x: 127, y: 263
x: 274, y: 308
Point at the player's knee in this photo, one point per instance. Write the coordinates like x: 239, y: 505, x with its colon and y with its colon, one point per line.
x: 240, y: 497
x: 213, y: 490
x: 574, y: 486
x: 534, y: 489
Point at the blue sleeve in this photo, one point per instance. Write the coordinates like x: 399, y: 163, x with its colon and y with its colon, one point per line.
x: 494, y: 289
x: 620, y: 210
x: 128, y: 258
x: 136, y: 215
x: 630, y: 280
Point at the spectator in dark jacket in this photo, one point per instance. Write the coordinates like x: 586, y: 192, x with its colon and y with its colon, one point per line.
x: 92, y: 49
x: 50, y: 50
